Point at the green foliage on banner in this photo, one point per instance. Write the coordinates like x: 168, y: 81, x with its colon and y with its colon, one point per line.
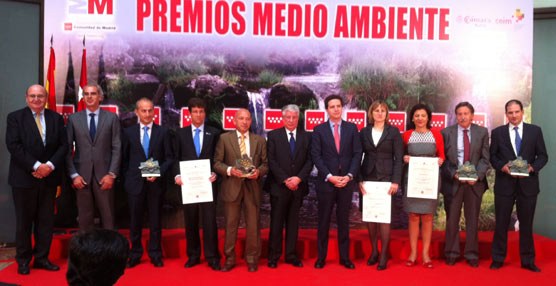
x: 121, y: 90
x: 268, y: 78
x: 400, y: 84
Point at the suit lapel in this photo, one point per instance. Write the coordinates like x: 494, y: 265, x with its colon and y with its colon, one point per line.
x: 285, y: 137
x: 524, y: 137
x: 154, y: 136
x: 207, y: 139
x: 343, y: 136
x: 235, y: 143
x: 474, y: 141
x: 252, y: 146
x: 454, y: 142
x: 82, y: 118
x: 49, y: 122
x: 101, y: 121
x: 507, y: 138
x: 328, y: 133
x: 31, y: 122
x: 383, y: 136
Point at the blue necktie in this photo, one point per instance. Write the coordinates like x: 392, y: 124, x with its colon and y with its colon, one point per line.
x: 197, y: 142
x: 292, y: 143
x: 517, y: 141
x: 146, y: 141
x: 92, y: 127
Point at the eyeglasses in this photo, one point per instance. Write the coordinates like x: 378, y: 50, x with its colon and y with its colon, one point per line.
x: 36, y: 96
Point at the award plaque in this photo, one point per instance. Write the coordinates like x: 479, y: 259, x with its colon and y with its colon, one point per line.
x: 149, y: 168
x: 519, y: 167
x: 467, y: 172
x: 245, y: 165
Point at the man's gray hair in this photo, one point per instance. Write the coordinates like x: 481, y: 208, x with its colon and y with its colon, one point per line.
x: 99, y: 89
x: 290, y: 107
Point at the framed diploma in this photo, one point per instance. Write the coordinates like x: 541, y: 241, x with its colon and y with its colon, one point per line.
x: 377, y: 203
x: 423, y: 178
x: 196, y: 186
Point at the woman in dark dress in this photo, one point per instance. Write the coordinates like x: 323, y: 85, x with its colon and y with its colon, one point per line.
x: 421, y: 141
x: 383, y: 160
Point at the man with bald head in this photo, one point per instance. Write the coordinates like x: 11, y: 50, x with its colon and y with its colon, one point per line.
x: 238, y: 188
x: 141, y: 142
x: 36, y: 140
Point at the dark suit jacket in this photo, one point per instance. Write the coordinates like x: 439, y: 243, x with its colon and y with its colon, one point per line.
x: 225, y: 155
x: 25, y: 145
x: 478, y: 155
x: 328, y: 160
x: 103, y: 153
x: 385, y: 161
x: 160, y: 149
x: 532, y: 149
x: 186, y: 147
x: 283, y: 164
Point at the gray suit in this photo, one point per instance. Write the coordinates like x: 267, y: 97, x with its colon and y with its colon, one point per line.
x: 93, y: 160
x: 456, y: 193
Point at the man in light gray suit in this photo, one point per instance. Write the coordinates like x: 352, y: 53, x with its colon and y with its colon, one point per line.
x: 464, y: 142
x: 96, y: 163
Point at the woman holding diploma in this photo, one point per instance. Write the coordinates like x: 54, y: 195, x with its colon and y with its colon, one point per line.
x: 383, y: 154
x: 421, y: 141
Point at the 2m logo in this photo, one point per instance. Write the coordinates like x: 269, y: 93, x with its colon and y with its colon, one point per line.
x: 91, y: 7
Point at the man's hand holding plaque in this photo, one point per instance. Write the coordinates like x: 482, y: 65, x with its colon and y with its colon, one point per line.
x: 519, y: 167
x: 467, y: 173
x: 244, y: 168
x: 150, y: 168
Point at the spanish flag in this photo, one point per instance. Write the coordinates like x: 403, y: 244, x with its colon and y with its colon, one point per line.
x: 83, y: 79
x: 50, y: 85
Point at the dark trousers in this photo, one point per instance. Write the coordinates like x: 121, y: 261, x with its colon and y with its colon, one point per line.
x: 525, y: 213
x: 284, y: 210
x: 232, y: 211
x: 471, y: 206
x: 326, y: 200
x: 34, y: 212
x: 88, y: 198
x: 150, y: 196
x: 207, y: 214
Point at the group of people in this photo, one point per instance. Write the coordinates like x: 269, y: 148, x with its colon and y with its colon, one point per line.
x: 41, y: 149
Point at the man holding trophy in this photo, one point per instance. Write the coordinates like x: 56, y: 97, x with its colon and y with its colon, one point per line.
x: 464, y: 182
x: 146, y: 155
x: 517, y: 153
x: 240, y: 158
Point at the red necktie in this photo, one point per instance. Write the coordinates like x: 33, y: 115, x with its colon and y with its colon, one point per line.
x: 337, y: 136
x: 465, y: 146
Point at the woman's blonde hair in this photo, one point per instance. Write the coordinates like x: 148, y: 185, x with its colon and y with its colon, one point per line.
x: 376, y: 104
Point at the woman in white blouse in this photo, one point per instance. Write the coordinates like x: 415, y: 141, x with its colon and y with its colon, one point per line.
x: 383, y: 151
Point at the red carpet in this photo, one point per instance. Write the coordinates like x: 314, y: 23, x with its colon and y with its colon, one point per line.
x: 397, y: 274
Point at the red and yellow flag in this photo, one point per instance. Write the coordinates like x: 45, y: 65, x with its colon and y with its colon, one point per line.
x: 50, y: 85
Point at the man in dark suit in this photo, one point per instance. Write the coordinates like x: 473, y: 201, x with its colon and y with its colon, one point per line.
x: 464, y: 142
x: 336, y: 152
x: 290, y: 163
x: 196, y: 142
x: 36, y: 140
x: 507, y: 142
x: 238, y: 188
x: 141, y: 142
x: 96, y: 163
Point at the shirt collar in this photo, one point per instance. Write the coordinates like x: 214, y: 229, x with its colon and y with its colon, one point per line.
x: 96, y: 112
x: 461, y: 128
x: 35, y: 113
x: 332, y: 123
x: 150, y: 125
x: 201, y: 128
x: 288, y: 132
x: 519, y: 126
x: 239, y: 134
